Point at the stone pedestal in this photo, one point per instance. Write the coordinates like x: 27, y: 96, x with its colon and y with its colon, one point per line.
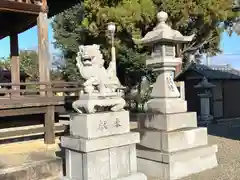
x: 101, y: 147
x: 171, y: 145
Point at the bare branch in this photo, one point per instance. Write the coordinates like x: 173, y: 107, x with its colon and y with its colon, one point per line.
x: 193, y: 48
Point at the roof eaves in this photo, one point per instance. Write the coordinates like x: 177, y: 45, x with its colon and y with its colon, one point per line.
x: 191, y: 66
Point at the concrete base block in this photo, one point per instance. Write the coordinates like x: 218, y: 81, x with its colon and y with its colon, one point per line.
x: 166, y: 106
x: 135, y: 176
x: 90, y: 145
x: 112, y: 163
x: 99, y: 124
x: 173, y: 141
x: 177, y: 165
x: 184, y: 139
x: 167, y: 122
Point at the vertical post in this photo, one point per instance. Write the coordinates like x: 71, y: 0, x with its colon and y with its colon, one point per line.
x: 49, y: 121
x: 113, y: 53
x: 44, y: 71
x: 112, y: 29
x: 43, y: 50
x: 15, y: 62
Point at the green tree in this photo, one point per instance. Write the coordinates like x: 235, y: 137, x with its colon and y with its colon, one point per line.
x: 86, y: 24
x: 29, y: 64
x: 236, y: 4
x: 233, y: 24
x: 5, y: 63
x: 131, y: 67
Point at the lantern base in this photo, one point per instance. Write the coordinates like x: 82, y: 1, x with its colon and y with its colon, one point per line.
x: 167, y: 105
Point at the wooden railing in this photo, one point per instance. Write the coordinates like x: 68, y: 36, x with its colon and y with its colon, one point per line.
x: 22, y: 6
x: 42, y: 89
x: 36, y: 2
x: 35, y: 98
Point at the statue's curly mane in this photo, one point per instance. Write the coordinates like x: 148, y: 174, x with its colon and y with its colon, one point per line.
x: 91, y: 51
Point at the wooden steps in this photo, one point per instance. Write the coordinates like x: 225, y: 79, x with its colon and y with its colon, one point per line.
x: 28, y: 131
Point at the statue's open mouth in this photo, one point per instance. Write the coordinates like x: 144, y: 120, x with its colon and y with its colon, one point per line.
x: 87, y: 61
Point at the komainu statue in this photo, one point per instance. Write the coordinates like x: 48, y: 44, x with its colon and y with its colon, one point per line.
x: 102, y: 89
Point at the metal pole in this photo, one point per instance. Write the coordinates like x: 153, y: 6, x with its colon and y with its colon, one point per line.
x: 113, y: 54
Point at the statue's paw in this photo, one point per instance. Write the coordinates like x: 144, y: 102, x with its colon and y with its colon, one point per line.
x: 115, y: 108
x: 76, y: 107
x: 119, y: 106
x: 89, y: 89
x: 90, y: 109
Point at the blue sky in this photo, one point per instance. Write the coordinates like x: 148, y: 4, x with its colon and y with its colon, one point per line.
x: 231, y: 51
x: 29, y: 40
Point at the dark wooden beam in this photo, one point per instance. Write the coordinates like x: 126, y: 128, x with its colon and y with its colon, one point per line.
x: 13, y: 6
x: 15, y: 23
x: 24, y: 14
x: 22, y: 111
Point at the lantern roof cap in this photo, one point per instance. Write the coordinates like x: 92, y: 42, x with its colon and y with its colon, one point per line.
x: 163, y: 33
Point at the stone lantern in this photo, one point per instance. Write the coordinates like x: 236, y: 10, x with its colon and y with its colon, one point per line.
x: 171, y: 145
x: 205, y: 94
x: 165, y: 95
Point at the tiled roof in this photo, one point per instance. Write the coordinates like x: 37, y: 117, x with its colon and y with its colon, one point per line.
x: 210, y: 72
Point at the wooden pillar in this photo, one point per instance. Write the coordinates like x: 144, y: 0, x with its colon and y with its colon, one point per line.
x: 49, y: 124
x: 44, y: 71
x: 43, y: 50
x: 44, y: 74
x: 15, y: 62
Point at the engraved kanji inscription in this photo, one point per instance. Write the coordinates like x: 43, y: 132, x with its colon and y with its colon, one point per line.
x: 117, y: 123
x: 170, y: 84
x: 102, y: 125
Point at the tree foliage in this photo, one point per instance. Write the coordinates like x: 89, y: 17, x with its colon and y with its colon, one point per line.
x: 28, y: 64
x: 5, y: 63
x: 86, y: 24
x: 236, y: 3
x: 131, y: 66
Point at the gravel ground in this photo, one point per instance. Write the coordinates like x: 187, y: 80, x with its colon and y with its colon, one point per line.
x: 227, y: 138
